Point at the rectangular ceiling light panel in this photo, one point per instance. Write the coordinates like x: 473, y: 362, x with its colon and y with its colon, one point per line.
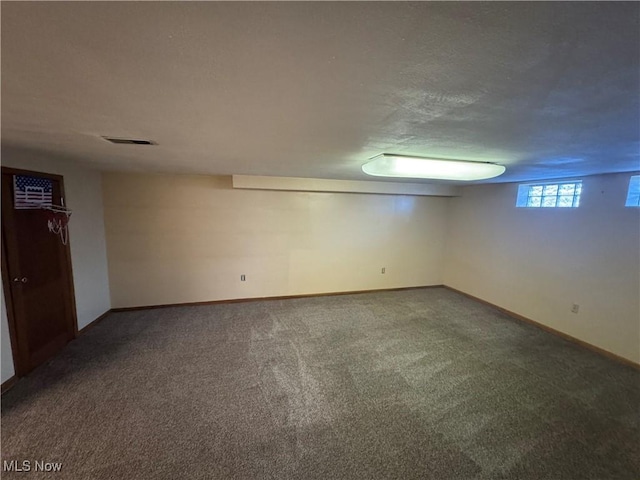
x: 387, y: 165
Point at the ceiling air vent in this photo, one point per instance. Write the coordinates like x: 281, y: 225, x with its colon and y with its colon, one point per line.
x: 129, y: 141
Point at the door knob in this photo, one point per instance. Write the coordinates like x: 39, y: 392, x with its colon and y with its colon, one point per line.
x: 23, y: 279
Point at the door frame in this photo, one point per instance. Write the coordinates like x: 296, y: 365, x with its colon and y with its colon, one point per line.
x: 20, y: 364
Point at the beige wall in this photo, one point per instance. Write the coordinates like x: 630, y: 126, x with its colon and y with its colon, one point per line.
x: 177, y: 238
x: 86, y: 236
x: 538, y: 262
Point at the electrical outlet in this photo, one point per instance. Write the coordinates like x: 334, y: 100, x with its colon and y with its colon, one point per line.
x: 242, y: 278
x: 383, y: 270
x: 575, y: 308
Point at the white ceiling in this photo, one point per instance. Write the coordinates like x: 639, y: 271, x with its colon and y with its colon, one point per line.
x: 315, y: 89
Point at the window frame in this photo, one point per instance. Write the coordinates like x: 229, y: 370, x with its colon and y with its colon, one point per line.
x: 549, y: 190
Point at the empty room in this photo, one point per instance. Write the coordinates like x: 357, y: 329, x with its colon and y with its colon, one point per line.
x: 320, y: 240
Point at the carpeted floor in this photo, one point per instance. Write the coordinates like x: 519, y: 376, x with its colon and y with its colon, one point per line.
x: 414, y: 384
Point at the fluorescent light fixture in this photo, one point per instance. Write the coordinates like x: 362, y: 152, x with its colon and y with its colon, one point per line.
x: 387, y: 165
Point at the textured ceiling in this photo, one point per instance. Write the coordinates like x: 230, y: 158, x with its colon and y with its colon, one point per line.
x: 314, y: 89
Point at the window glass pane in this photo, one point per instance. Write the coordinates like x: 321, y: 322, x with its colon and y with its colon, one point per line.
x: 523, y: 194
x: 534, y: 201
x: 556, y: 195
x: 536, y: 190
x: 567, y: 189
x: 565, y: 201
x: 633, y: 200
x: 633, y: 194
x: 549, y: 201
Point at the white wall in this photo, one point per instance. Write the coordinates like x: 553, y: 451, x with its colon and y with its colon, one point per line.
x: 538, y: 262
x: 83, y: 189
x: 182, y: 238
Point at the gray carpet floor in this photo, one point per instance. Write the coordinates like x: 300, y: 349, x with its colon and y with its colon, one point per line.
x: 414, y: 384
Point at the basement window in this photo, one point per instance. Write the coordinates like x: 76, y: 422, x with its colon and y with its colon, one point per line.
x: 633, y: 195
x: 549, y: 195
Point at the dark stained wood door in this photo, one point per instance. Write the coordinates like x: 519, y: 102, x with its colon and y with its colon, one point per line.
x: 37, y: 279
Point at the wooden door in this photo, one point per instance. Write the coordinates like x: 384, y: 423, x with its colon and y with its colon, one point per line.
x: 37, y: 280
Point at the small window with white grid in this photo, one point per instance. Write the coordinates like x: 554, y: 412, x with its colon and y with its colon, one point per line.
x: 549, y: 195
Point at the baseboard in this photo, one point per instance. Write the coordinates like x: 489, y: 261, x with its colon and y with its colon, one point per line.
x: 256, y: 299
x: 582, y: 343
x: 6, y: 385
x: 93, y: 323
